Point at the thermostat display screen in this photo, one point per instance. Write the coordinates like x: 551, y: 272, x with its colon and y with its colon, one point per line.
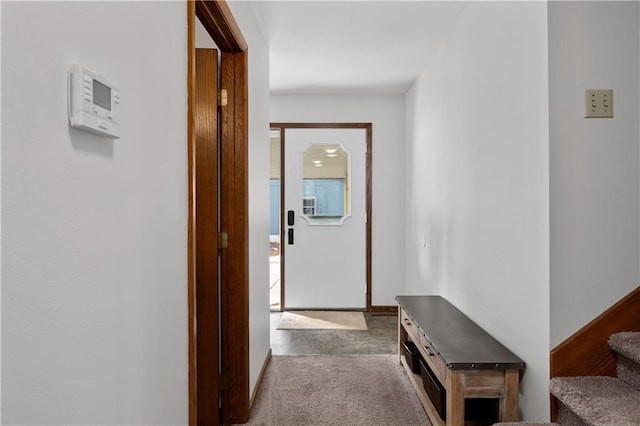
x: 101, y: 95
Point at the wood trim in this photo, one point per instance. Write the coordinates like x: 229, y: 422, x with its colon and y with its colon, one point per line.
x: 206, y: 241
x: 321, y: 125
x: 191, y: 265
x: 326, y: 309
x: 265, y: 364
x: 586, y: 352
x: 369, y: 190
x: 234, y: 200
x: 383, y: 309
x: 217, y: 19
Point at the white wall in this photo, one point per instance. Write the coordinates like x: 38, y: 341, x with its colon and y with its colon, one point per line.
x: 94, y: 274
x: 594, y: 162
x: 203, y: 39
x: 386, y: 113
x: 259, y: 150
x: 477, y: 182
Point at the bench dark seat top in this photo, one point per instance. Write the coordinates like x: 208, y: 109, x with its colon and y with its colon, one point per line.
x: 460, y: 342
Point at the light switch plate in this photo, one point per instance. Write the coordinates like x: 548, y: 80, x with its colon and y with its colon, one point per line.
x: 598, y: 103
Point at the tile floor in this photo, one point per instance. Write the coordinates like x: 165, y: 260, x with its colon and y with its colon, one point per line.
x: 380, y: 338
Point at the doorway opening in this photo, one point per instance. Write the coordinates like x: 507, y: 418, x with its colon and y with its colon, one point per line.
x: 294, y: 218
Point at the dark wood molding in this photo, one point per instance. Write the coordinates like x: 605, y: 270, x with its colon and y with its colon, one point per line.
x: 234, y: 219
x: 586, y: 352
x: 191, y: 264
x: 321, y: 125
x: 382, y: 309
x: 369, y: 190
x: 325, y: 309
x: 217, y: 19
x: 265, y: 364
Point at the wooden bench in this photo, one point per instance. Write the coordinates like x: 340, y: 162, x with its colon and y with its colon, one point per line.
x: 463, y: 358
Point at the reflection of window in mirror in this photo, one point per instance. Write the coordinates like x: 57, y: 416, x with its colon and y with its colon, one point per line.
x: 325, y: 184
x: 309, y: 205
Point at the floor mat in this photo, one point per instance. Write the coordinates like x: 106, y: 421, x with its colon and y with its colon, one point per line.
x: 322, y: 320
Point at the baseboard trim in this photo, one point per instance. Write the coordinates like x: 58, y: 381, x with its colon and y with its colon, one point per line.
x: 267, y: 359
x: 326, y: 309
x: 384, y: 309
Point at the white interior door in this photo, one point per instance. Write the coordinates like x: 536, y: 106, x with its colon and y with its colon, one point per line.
x: 325, y: 257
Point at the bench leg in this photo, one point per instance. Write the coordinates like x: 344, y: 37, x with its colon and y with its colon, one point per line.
x: 455, y: 399
x: 509, y: 401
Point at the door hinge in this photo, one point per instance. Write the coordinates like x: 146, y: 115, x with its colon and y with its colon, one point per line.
x: 222, y: 97
x: 223, y: 240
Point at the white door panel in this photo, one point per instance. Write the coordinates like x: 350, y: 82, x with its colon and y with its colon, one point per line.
x: 325, y: 267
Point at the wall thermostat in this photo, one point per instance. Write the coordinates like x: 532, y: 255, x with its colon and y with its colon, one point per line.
x: 93, y: 103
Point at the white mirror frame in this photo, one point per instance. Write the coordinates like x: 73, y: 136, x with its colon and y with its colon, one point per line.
x: 313, y: 221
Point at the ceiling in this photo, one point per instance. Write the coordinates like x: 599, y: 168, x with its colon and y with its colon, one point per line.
x: 351, y: 47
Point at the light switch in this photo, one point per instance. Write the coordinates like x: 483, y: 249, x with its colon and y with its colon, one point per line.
x: 598, y: 103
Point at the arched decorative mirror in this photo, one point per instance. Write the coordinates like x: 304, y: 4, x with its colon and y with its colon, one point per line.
x: 326, y: 195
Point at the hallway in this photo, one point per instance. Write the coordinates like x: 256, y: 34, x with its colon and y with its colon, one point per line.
x: 363, y: 385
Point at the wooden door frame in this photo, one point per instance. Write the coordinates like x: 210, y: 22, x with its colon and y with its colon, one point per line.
x: 233, y: 383
x: 369, y: 194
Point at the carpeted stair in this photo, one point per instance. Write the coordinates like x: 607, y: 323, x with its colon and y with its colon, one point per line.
x: 603, y: 401
x: 627, y: 345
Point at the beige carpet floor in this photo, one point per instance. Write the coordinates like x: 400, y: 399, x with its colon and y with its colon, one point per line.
x: 322, y: 320
x: 337, y: 390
